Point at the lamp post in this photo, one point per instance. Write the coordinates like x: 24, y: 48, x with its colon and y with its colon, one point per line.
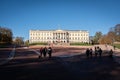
x: 113, y: 40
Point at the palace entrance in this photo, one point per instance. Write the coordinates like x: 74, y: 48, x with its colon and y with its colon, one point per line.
x: 60, y: 37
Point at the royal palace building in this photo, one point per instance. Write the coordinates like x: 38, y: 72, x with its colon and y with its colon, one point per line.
x: 58, y: 36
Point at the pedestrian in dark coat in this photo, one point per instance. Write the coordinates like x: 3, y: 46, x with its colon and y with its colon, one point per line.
x: 100, y: 52
x: 87, y: 52
x: 111, y: 53
x: 41, y: 52
x: 96, y: 53
x: 44, y: 51
x: 50, y: 52
x: 90, y: 52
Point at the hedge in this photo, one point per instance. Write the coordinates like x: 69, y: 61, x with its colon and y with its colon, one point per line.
x: 38, y: 44
x: 77, y: 43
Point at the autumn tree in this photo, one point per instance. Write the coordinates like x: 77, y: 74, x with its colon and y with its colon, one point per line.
x: 106, y: 39
x: 103, y: 40
x: 112, y: 36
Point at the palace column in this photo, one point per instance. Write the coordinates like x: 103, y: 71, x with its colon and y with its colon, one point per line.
x: 60, y: 37
x: 64, y: 37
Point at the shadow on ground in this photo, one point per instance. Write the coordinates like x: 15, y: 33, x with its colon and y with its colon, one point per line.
x: 57, y: 68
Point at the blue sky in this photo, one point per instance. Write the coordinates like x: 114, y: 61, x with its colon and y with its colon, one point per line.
x: 92, y: 15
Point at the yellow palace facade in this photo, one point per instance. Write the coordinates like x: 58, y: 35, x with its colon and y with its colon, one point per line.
x: 58, y: 36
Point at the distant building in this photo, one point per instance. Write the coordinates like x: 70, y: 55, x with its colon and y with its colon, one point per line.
x: 58, y: 36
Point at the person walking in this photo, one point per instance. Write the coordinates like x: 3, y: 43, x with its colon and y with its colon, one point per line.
x: 90, y: 52
x: 44, y: 51
x: 50, y: 52
x: 87, y: 52
x: 96, y: 53
x: 41, y: 52
x: 100, y: 52
x: 111, y: 53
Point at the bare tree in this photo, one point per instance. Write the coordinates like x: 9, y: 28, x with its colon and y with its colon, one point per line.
x: 116, y: 31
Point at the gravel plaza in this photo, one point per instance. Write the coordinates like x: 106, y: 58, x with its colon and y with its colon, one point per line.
x: 67, y: 62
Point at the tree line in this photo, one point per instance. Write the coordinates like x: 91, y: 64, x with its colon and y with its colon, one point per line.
x: 6, y: 37
x: 112, y: 36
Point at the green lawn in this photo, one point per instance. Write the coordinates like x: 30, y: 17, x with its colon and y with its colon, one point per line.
x: 117, y: 45
x: 38, y: 44
x: 80, y: 44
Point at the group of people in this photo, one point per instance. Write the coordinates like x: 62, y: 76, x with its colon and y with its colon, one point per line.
x: 89, y: 52
x: 98, y: 51
x: 44, y: 51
